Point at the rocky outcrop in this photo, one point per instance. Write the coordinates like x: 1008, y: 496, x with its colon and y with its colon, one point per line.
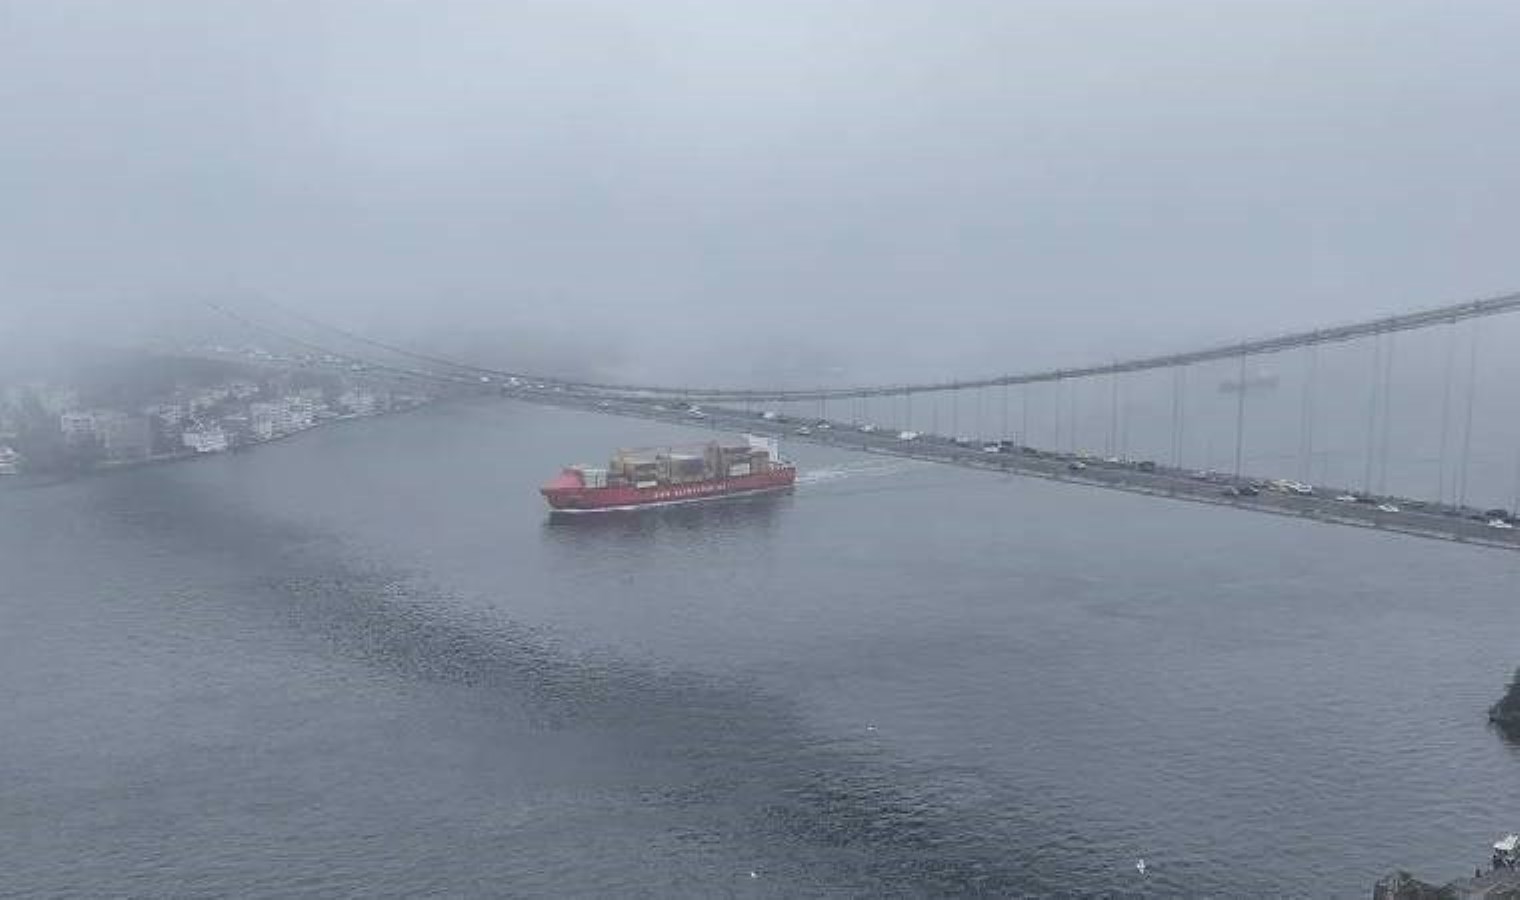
x: 1404, y: 886
x: 1500, y: 884
x: 1506, y: 713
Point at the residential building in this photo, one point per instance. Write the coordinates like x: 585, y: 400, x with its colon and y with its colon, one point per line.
x: 285, y: 416
x: 206, y: 439
x: 265, y: 420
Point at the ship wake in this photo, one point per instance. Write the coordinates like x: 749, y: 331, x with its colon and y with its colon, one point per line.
x: 849, y: 471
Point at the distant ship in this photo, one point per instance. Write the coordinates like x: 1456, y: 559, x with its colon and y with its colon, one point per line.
x: 664, y: 476
x: 1259, y: 380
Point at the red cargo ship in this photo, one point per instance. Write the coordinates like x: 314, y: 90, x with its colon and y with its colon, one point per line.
x: 636, y: 478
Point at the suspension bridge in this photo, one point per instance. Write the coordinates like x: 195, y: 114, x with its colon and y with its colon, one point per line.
x: 1367, y: 442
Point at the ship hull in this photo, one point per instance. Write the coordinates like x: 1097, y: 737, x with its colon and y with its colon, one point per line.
x: 606, y: 499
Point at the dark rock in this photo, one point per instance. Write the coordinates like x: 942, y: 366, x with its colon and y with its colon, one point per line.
x: 1506, y: 713
x: 1404, y: 886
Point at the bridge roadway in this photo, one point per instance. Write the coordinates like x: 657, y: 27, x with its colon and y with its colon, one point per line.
x: 1414, y: 518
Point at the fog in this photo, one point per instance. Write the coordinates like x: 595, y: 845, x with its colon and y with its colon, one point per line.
x: 722, y: 192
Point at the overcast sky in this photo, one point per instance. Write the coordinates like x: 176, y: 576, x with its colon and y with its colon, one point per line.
x: 969, y: 186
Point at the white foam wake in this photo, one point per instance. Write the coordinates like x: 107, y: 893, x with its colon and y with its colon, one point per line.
x: 865, y: 469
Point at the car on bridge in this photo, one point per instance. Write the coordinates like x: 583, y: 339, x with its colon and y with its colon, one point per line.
x: 868, y: 428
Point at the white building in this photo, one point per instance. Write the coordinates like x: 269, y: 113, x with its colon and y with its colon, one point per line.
x: 285, y: 416
x: 78, y: 427
x: 303, y: 412
x: 10, y: 461
x: 206, y: 439
x: 267, y: 420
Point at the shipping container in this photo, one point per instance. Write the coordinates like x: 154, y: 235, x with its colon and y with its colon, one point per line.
x: 592, y: 477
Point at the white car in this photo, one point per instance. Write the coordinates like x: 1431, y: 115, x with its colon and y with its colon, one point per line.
x: 1501, y: 524
x: 769, y: 415
x: 1387, y: 507
x: 1346, y: 498
x: 992, y: 448
x: 804, y: 431
x: 824, y: 426
x: 907, y: 436
x: 868, y: 429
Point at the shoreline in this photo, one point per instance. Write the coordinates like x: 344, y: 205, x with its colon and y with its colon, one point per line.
x: 47, y: 479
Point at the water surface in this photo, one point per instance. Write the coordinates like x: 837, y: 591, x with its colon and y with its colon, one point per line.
x: 366, y: 661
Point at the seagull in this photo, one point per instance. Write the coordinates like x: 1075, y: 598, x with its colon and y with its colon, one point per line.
x: 870, y: 728
x: 754, y: 874
x: 1140, y: 866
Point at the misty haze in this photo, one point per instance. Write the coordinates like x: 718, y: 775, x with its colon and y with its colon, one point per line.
x: 852, y: 448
